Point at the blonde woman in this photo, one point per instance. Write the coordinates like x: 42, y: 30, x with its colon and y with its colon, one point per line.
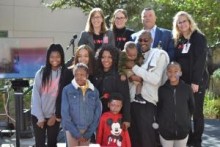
x: 96, y: 32
x: 190, y: 52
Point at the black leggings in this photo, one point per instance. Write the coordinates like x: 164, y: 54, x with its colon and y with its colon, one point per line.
x: 40, y: 134
x: 195, y: 136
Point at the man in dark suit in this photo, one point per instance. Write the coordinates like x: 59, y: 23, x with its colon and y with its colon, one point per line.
x: 162, y: 38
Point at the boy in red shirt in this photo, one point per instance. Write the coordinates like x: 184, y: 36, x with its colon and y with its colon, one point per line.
x: 110, y: 130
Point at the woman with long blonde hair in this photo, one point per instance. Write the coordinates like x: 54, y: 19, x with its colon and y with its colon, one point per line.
x: 190, y: 53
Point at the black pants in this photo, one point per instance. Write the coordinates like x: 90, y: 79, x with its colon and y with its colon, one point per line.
x: 40, y: 134
x: 195, y: 136
x: 141, y: 131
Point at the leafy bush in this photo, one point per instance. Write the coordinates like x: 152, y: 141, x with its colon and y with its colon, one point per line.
x: 11, y: 99
x: 211, y: 105
x: 216, y: 74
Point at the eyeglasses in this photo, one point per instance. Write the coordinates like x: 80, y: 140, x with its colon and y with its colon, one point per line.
x: 181, y: 22
x: 96, y: 17
x: 119, y: 18
x: 142, y: 40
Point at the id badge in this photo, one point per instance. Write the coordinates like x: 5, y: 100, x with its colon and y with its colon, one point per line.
x: 186, y: 48
x: 105, y: 39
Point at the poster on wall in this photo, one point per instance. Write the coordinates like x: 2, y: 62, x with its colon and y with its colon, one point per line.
x: 21, y: 57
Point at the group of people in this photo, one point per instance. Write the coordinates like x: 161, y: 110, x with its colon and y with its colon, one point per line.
x: 123, y: 88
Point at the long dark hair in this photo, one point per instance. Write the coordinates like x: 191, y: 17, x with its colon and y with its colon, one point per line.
x: 47, y: 69
x: 113, y: 51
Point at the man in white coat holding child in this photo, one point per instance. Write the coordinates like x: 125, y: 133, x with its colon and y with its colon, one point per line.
x: 152, y: 74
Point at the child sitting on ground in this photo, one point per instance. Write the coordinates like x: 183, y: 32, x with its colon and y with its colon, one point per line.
x: 110, y: 130
x: 131, y: 54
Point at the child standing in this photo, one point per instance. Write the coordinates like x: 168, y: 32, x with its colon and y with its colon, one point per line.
x: 110, y: 130
x: 44, y: 97
x: 84, y: 55
x: 80, y: 108
x: 131, y: 54
x: 175, y: 108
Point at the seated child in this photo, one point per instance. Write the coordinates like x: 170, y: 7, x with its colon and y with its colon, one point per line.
x: 174, y: 109
x: 110, y: 130
x: 131, y: 54
x: 80, y: 108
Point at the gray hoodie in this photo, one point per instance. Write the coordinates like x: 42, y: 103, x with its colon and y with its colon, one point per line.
x: 44, y: 99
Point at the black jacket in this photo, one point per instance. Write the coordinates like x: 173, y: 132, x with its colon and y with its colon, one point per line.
x: 65, y: 80
x: 193, y: 63
x: 108, y: 82
x: 174, y: 110
x: 122, y: 36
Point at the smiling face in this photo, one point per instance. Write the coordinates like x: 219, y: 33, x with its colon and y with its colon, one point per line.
x: 174, y: 73
x: 55, y: 60
x: 97, y: 20
x: 183, y: 24
x: 83, y: 56
x: 148, y: 18
x: 120, y: 20
x: 145, y: 41
x: 106, y: 60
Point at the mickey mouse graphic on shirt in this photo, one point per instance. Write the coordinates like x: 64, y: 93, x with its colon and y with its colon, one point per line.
x: 116, y: 130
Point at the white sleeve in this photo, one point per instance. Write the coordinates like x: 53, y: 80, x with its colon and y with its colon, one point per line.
x: 153, y: 75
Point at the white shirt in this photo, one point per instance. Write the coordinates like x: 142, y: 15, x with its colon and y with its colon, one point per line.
x: 153, y: 32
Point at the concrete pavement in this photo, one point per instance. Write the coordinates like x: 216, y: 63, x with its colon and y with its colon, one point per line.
x: 211, y: 137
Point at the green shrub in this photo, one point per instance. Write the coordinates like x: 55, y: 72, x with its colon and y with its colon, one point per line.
x: 216, y: 74
x: 27, y: 99
x: 217, y: 106
x: 11, y: 99
x: 211, y: 105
